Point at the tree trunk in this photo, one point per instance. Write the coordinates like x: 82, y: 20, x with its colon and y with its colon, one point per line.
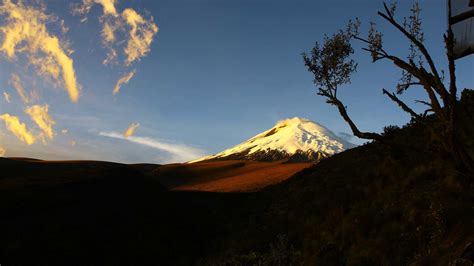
x: 355, y: 130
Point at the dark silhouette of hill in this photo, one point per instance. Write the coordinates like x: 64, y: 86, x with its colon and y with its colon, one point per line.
x: 97, y: 213
x: 372, y: 205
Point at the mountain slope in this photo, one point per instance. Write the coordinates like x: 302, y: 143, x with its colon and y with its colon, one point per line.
x: 372, y: 205
x: 225, y: 176
x: 295, y: 139
x: 403, y: 204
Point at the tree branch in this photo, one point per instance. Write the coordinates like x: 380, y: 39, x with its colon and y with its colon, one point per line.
x: 425, y: 79
x: 400, y: 103
x: 434, y: 102
x: 427, y: 111
x: 410, y: 84
x: 449, y: 40
x: 423, y: 102
x: 439, y: 88
x: 363, y: 135
x: 410, y: 67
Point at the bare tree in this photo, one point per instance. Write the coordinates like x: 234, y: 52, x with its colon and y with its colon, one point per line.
x: 332, y: 66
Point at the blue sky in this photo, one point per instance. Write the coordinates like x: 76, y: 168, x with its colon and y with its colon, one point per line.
x: 217, y: 73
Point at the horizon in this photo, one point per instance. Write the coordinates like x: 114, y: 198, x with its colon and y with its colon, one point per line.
x: 213, y: 75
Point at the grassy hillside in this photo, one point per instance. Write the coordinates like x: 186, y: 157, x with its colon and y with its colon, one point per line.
x: 226, y: 175
x: 97, y: 213
x: 372, y: 205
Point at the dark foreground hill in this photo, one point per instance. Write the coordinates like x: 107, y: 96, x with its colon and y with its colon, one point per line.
x: 96, y: 213
x: 372, y: 205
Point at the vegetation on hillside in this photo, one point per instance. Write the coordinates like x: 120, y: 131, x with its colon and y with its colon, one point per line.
x: 372, y: 205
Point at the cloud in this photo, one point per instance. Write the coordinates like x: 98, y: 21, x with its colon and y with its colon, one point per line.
x: 131, y: 129
x: 7, y: 97
x: 179, y: 152
x: 39, y: 114
x: 111, y: 56
x: 86, y: 5
x: 346, y: 136
x: 108, y: 32
x: 109, y: 6
x: 2, y: 151
x: 139, y: 30
x: 109, y: 26
x: 19, y: 129
x: 16, y: 83
x: 24, y: 31
x: 140, y: 35
x: 64, y: 131
x: 123, y: 80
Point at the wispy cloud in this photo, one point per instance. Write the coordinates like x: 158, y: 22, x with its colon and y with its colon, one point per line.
x: 345, y: 136
x: 19, y: 129
x: 140, y: 31
x: 179, y: 152
x: 20, y: 90
x: 109, y: 6
x: 7, y: 97
x: 40, y: 115
x: 86, y: 5
x: 131, y: 129
x: 25, y: 31
x: 140, y: 35
x: 123, y: 80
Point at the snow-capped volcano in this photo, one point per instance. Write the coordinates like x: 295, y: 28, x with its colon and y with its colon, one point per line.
x: 294, y: 139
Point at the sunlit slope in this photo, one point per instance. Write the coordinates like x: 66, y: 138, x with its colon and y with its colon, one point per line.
x: 226, y: 176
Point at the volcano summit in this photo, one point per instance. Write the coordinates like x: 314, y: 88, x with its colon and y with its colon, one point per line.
x: 294, y: 140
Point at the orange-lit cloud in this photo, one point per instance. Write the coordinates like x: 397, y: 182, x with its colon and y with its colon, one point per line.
x: 7, y: 97
x: 19, y: 129
x: 40, y: 115
x: 140, y: 35
x: 139, y: 30
x: 86, y: 5
x: 25, y: 31
x: 108, y: 32
x: 110, y: 21
x: 130, y: 130
x: 2, y: 151
x: 123, y: 80
x: 109, y: 6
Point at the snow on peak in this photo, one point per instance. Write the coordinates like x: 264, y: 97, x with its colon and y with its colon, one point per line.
x: 289, y: 136
x: 291, y: 121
